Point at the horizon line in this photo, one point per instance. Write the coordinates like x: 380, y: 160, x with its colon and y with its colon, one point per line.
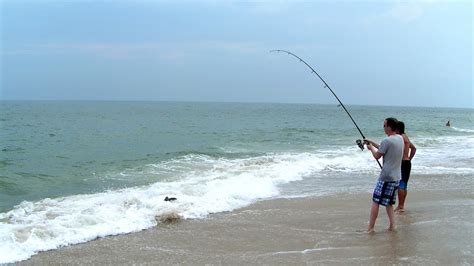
x: 232, y: 102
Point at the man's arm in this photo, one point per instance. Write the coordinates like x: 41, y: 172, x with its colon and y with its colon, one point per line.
x: 412, y: 151
x: 377, y: 155
x: 411, y: 146
x: 368, y: 141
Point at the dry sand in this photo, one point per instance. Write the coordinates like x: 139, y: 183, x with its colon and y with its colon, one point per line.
x: 436, y: 228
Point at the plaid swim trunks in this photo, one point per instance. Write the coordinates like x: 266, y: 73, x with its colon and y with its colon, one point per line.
x: 385, y: 192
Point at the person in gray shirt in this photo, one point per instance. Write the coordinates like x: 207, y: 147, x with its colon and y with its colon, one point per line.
x: 391, y: 149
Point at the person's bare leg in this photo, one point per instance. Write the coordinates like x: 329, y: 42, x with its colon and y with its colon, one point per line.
x: 374, y: 212
x: 402, y: 194
x: 391, y: 218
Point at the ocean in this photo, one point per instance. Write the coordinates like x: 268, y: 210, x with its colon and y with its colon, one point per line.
x: 73, y: 171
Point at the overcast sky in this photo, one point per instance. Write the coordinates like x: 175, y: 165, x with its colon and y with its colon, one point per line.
x: 404, y: 53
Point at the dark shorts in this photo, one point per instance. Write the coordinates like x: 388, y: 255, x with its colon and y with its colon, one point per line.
x: 385, y: 192
x: 406, y: 169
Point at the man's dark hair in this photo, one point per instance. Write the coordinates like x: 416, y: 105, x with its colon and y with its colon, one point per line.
x: 401, y: 127
x: 392, y: 123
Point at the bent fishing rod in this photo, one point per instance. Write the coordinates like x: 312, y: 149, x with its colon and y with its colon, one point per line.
x: 359, y: 142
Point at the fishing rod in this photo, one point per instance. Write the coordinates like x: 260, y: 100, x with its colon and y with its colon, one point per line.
x: 359, y: 142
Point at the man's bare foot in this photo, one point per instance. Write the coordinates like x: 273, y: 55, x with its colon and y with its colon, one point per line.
x: 370, y: 231
x: 391, y: 228
x: 398, y: 209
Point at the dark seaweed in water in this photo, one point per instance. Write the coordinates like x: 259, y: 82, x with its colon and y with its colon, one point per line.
x: 168, y: 218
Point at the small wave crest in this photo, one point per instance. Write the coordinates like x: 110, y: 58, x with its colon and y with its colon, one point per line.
x: 466, y: 130
x: 445, y: 154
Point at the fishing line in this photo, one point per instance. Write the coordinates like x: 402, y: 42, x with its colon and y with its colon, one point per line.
x: 359, y: 142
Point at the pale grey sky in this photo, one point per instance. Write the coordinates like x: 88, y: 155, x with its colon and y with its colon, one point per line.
x: 413, y: 53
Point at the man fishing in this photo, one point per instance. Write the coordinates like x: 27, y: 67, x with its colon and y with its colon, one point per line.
x: 391, y: 149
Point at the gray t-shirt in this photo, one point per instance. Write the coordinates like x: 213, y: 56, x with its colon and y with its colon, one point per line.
x: 392, y: 150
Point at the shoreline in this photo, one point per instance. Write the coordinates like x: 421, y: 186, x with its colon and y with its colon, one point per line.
x: 436, y: 228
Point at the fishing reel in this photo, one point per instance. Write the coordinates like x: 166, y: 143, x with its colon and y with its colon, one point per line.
x: 360, y: 144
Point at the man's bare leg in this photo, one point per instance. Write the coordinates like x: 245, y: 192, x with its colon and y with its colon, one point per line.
x: 374, y: 212
x: 391, y: 218
x: 402, y: 194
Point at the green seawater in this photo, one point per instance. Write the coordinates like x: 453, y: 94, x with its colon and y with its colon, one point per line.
x: 53, y: 149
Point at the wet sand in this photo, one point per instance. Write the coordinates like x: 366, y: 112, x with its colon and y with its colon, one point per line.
x: 436, y: 228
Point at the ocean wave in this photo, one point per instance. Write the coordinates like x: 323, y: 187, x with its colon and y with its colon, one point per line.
x: 203, y: 184
x: 445, y: 154
x: 463, y: 129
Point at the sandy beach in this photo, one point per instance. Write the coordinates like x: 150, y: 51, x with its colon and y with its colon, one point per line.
x: 436, y: 229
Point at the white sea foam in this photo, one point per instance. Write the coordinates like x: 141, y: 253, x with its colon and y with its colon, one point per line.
x: 445, y: 155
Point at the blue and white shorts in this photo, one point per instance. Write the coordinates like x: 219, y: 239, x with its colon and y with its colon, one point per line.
x: 385, y: 192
